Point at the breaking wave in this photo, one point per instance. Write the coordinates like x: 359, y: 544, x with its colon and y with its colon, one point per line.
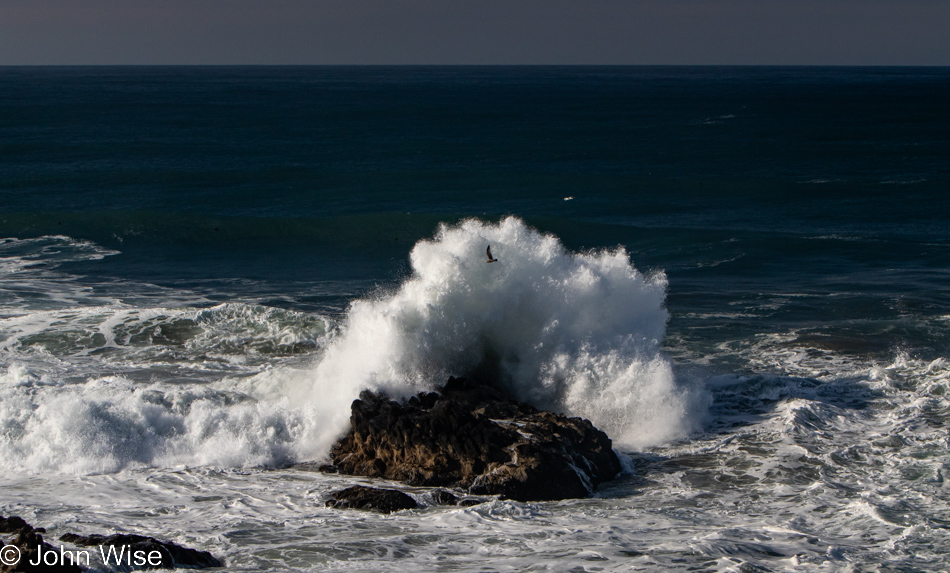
x: 101, y: 388
x: 573, y: 332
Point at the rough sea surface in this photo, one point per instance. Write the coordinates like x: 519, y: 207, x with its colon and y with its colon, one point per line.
x: 742, y: 275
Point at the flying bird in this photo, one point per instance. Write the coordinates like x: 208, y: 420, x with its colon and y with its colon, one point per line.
x: 490, y: 258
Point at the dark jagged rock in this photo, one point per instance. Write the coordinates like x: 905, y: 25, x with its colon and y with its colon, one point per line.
x: 13, y: 524
x: 172, y: 555
x: 28, y: 542
x: 372, y: 499
x: 444, y: 497
x: 474, y: 437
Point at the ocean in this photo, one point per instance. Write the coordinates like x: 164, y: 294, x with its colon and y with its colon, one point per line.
x: 742, y: 275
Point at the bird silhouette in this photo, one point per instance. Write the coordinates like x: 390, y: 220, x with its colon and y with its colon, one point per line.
x: 490, y: 258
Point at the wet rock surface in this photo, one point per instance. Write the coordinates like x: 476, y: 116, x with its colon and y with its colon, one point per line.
x: 371, y: 499
x: 172, y: 555
x: 474, y: 437
x: 14, y: 524
x: 29, y: 541
x: 27, y: 547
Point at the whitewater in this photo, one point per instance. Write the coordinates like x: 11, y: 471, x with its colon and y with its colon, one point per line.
x: 142, y: 408
x: 578, y: 333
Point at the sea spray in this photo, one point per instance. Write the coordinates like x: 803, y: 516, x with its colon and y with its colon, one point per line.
x: 110, y: 424
x: 572, y: 332
x: 99, y: 389
x: 189, y: 387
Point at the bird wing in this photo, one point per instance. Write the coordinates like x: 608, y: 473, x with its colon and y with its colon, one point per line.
x: 488, y: 252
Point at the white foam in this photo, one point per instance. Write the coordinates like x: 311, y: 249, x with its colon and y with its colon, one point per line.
x: 111, y: 423
x: 189, y: 387
x: 99, y: 389
x: 17, y: 254
x: 139, y: 335
x: 577, y: 332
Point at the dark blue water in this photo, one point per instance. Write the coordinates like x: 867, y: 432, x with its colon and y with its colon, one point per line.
x: 180, y: 249
x: 746, y: 185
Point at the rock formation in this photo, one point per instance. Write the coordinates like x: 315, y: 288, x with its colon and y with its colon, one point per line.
x: 29, y: 541
x: 472, y: 436
x: 371, y: 498
x: 20, y: 553
x: 172, y: 555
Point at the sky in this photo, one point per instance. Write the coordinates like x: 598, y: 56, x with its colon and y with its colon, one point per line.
x: 461, y: 32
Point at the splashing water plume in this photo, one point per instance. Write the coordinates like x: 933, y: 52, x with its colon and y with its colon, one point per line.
x: 572, y: 332
x: 578, y: 333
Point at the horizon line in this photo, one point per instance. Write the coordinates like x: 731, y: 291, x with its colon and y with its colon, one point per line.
x: 474, y: 65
